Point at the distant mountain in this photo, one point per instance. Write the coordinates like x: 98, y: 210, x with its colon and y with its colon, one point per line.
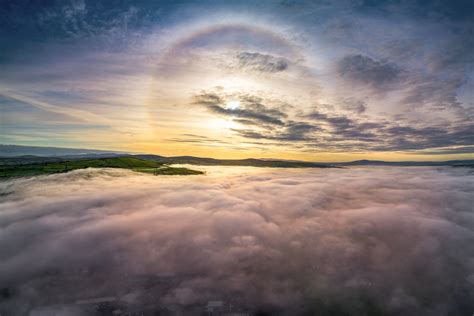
x: 297, y: 164
x: 251, y: 162
x: 15, y: 151
x: 407, y: 163
x: 20, y: 155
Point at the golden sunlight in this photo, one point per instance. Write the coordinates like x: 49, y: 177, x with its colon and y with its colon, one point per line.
x: 232, y: 105
x: 223, y: 124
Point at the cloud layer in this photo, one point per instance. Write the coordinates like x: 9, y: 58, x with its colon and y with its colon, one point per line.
x: 289, y: 242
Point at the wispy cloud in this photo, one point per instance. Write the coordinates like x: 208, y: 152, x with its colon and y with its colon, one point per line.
x: 76, y: 114
x: 261, y: 62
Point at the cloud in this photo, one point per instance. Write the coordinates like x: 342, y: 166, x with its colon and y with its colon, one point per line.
x: 73, y: 20
x: 365, y: 70
x: 251, y: 109
x: 434, y: 93
x: 261, y: 62
x: 334, y: 128
x: 73, y: 113
x: 292, y: 131
x: 287, y: 242
x: 384, y: 135
x: 90, y: 63
x: 354, y: 105
x: 452, y: 150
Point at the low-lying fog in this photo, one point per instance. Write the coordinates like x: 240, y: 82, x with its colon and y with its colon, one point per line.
x: 362, y: 241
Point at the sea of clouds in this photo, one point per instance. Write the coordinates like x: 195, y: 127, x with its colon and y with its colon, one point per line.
x: 356, y: 241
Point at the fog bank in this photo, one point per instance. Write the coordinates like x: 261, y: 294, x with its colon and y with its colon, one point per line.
x: 362, y: 241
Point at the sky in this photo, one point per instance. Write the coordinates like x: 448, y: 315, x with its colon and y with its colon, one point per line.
x: 337, y: 242
x: 311, y: 80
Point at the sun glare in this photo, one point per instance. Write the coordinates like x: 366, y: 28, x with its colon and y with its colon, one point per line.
x: 232, y: 105
x: 222, y: 124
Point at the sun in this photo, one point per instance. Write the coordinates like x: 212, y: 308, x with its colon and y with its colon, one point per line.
x: 232, y: 105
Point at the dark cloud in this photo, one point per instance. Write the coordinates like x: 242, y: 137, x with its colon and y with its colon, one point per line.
x: 261, y: 62
x: 292, y: 131
x: 343, y: 128
x: 338, y: 241
x: 388, y: 136
x: 354, y: 105
x: 298, y: 131
x: 337, y: 131
x: 251, y: 109
x: 365, y: 70
x: 325, y: 131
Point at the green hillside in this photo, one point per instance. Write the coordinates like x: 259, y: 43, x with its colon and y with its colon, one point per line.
x: 131, y: 163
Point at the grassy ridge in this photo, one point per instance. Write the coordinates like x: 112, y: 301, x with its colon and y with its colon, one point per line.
x: 169, y: 171
x: 131, y: 163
